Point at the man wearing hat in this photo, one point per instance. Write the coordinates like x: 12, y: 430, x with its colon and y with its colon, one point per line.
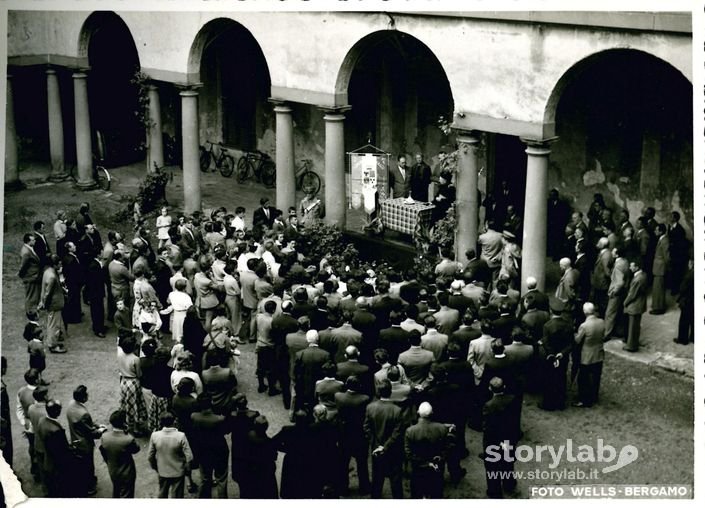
x: 554, y: 348
x: 425, y: 444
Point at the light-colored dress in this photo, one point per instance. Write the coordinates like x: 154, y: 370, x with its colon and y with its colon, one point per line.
x: 179, y: 303
x: 163, y: 225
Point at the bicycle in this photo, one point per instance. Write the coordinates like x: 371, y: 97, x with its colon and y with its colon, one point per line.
x: 260, y: 165
x: 101, y: 176
x: 223, y: 161
x: 306, y: 178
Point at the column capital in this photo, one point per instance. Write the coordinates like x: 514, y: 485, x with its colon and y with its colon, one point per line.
x: 280, y: 106
x: 335, y: 110
x: 471, y: 137
x: 80, y: 74
x: 539, y: 146
x: 50, y: 70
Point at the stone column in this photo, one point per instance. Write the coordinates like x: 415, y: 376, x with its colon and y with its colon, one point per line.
x: 286, y: 183
x: 56, y: 128
x: 335, y: 199
x: 533, y: 260
x: 466, y: 201
x: 84, y: 148
x: 12, y: 169
x: 189, y: 135
x: 155, y: 154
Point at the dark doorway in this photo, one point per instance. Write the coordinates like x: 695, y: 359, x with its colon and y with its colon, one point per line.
x: 236, y: 84
x: 509, y: 166
x: 397, y: 90
x: 113, y: 98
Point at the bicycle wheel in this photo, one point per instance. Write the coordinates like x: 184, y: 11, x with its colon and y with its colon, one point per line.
x: 269, y: 173
x: 309, y: 181
x: 103, y: 178
x: 204, y: 158
x: 227, y: 166
x: 243, y: 169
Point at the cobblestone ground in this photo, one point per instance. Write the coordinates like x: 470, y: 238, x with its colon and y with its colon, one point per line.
x: 640, y: 404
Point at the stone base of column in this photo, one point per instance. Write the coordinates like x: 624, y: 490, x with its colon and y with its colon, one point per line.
x: 86, y: 186
x: 17, y: 185
x: 58, y: 177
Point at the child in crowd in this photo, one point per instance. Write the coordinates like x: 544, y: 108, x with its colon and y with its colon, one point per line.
x: 33, y: 334
x: 163, y: 225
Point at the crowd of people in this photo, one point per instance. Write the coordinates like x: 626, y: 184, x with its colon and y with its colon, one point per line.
x: 388, y: 368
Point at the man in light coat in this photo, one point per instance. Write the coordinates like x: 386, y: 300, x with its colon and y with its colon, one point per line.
x: 590, y: 339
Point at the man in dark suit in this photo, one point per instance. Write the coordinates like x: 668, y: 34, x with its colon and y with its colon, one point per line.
x: 283, y: 325
x: 90, y: 245
x: 83, y: 435
x: 555, y: 347
x: 241, y: 422
x: 95, y: 291
x: 400, y: 179
x: 366, y: 322
x: 635, y: 305
x: 505, y: 323
x: 590, y: 340
x: 74, y: 275
x: 384, y: 428
x: 262, y: 218
x: 58, y: 458
x: 533, y: 320
x: 645, y: 242
x: 41, y: 245
x: 522, y: 357
x: 210, y: 448
x: 30, y: 273
x: 476, y: 269
x: 540, y: 299
x: 420, y: 179
x: 499, y: 425
x: 352, y: 404
x: 308, y: 369
x: 678, y: 244
x: 117, y: 448
x: 394, y: 339
x: 659, y: 269
x: 465, y: 334
x: 686, y: 302
x: 383, y: 305
x: 557, y: 213
x: 352, y: 367
x: 426, y: 444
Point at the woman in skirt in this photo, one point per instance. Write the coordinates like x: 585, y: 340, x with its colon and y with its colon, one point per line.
x: 160, y: 382
x: 179, y: 303
x: 131, y: 399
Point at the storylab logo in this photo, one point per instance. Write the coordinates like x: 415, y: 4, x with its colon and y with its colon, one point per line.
x: 604, y: 455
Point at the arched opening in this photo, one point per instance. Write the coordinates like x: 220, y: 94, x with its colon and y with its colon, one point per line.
x: 624, y: 121
x: 397, y: 89
x: 113, y: 96
x: 236, y: 83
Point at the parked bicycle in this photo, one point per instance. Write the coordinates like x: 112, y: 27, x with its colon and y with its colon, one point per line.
x: 223, y: 161
x: 101, y: 175
x: 258, y: 164
x: 306, y: 178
